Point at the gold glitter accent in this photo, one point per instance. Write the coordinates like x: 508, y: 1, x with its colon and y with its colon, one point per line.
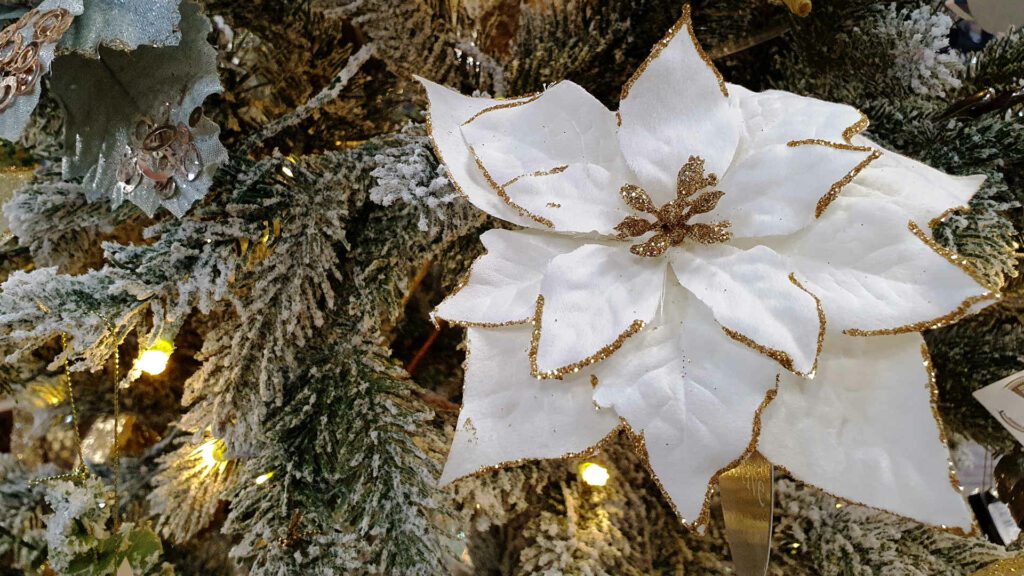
x: 663, y: 43
x: 440, y: 158
x: 778, y: 355
x: 553, y: 205
x: 555, y: 170
x: 519, y: 101
x: 504, y: 195
x: 946, y: 214
x: 953, y: 316
x: 952, y: 257
x: 458, y: 287
x: 837, y: 186
x: 593, y: 381
x: 601, y: 354
x: 672, y: 219
x: 856, y: 128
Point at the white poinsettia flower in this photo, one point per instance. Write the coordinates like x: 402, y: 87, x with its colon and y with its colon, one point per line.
x: 686, y: 266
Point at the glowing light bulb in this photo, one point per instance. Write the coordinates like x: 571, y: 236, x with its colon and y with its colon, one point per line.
x: 262, y: 478
x: 154, y: 359
x: 593, y: 474
x: 211, y: 453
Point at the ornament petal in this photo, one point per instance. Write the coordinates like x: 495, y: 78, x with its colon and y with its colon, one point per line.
x: 508, y: 415
x: 675, y: 106
x: 503, y: 284
x: 555, y: 157
x: 692, y: 393
x: 927, y: 195
x: 448, y: 110
x: 592, y: 299
x: 866, y: 430
x: 756, y: 299
x: 874, y: 275
x: 781, y: 188
x: 774, y: 117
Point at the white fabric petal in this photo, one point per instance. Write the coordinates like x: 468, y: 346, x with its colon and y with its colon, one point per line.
x: 556, y: 157
x: 508, y: 415
x: 774, y: 117
x: 873, y: 274
x: 674, y: 107
x: 448, y: 110
x: 755, y: 300
x: 592, y: 300
x: 864, y: 430
x: 780, y: 189
x: 692, y: 392
x: 918, y: 189
x: 503, y: 284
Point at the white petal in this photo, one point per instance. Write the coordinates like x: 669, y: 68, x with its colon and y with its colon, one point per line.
x: 503, y: 284
x: 593, y: 299
x: 448, y: 110
x: 755, y: 299
x: 780, y: 189
x: 873, y: 274
x: 775, y: 117
x: 864, y: 430
x: 674, y: 107
x: 556, y: 157
x: 692, y: 392
x: 918, y: 189
x: 509, y: 415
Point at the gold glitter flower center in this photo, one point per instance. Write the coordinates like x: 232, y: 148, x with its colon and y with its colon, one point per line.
x: 672, y: 225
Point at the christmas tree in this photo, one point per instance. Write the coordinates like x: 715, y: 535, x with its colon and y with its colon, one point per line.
x: 226, y: 227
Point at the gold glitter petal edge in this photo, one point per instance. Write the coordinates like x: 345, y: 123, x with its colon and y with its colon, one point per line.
x: 838, y: 185
x: 514, y: 103
x: 856, y: 128
x: 784, y: 359
x: 440, y: 158
x: 458, y: 287
x: 684, y: 20
x: 951, y: 256
x: 551, y: 172
x: 601, y: 354
x: 500, y: 191
x: 934, y: 396
x: 946, y: 214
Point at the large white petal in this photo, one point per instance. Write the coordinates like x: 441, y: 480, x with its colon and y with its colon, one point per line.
x: 923, y: 192
x: 865, y: 430
x: 508, y: 415
x: 775, y: 117
x: 448, y: 110
x: 676, y: 106
x: 555, y: 157
x: 592, y: 300
x: 782, y: 188
x: 755, y: 298
x: 872, y: 273
x: 503, y: 284
x: 692, y: 393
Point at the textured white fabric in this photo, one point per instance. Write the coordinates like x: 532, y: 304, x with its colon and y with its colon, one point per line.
x: 774, y: 117
x: 864, y: 430
x: 870, y: 272
x: 592, y: 295
x: 675, y: 108
x: 691, y: 391
x: 919, y: 190
x: 509, y: 415
x: 557, y: 157
x: 750, y: 292
x: 503, y: 284
x: 448, y: 110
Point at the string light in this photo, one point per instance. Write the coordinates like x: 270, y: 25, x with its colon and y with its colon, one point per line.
x: 211, y: 455
x: 262, y: 478
x: 593, y: 474
x: 154, y: 359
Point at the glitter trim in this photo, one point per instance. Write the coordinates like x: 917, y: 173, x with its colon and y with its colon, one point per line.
x: 440, y: 158
x: 838, y: 185
x: 952, y: 257
x: 551, y: 172
x: 500, y: 191
x: 779, y: 356
x: 684, y: 20
x: 856, y: 128
x: 519, y: 101
x: 946, y: 214
x: 462, y: 323
x: 962, y: 310
x: 601, y: 354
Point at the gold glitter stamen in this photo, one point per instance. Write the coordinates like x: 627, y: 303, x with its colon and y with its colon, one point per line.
x: 838, y: 185
x: 778, y: 355
x: 637, y: 198
x: 663, y: 43
x: 601, y: 354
